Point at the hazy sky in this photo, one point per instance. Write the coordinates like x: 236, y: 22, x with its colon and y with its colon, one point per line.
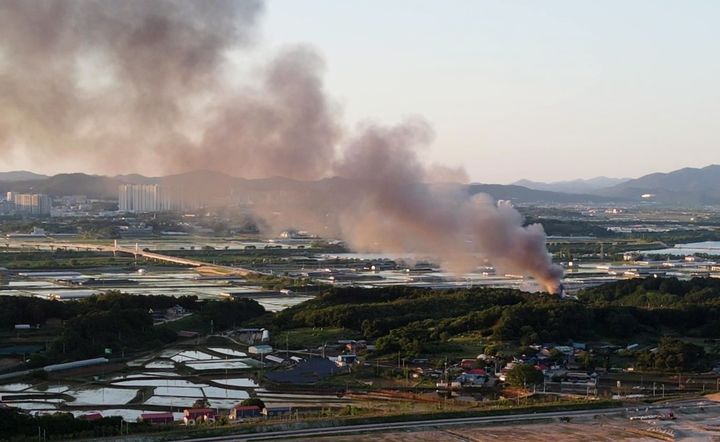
x: 543, y: 90
x: 539, y: 89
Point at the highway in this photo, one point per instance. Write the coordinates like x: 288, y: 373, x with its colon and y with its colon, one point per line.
x: 432, y: 423
x: 134, y: 251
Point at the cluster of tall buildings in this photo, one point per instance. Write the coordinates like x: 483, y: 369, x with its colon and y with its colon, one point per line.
x: 141, y: 198
x: 29, y: 203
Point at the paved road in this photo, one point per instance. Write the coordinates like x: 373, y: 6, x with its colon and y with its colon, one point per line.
x: 413, y: 425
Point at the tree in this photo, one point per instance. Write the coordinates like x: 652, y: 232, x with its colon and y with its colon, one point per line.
x: 201, y: 403
x: 556, y: 356
x: 522, y: 375
x: 253, y: 401
x: 587, y: 360
x: 673, y: 355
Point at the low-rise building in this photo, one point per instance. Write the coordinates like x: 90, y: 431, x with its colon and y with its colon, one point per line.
x: 245, y: 412
x: 158, y: 418
x: 194, y: 415
x: 261, y: 349
x: 345, y: 360
x: 276, y: 412
x: 91, y: 417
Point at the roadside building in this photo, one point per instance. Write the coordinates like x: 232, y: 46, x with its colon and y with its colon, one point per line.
x: 345, y: 360
x: 91, y: 417
x: 245, y: 412
x: 158, y: 418
x: 193, y: 415
x: 277, y: 412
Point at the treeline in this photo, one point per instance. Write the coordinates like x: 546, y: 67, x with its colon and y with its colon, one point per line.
x: 119, y: 321
x: 228, y: 313
x: 32, y: 310
x: 377, y: 311
x: 116, y: 321
x: 420, y: 321
x: 673, y: 355
x: 16, y: 425
x: 656, y: 292
x: 557, y: 227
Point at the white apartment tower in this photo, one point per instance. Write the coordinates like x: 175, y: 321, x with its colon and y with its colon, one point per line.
x: 142, y: 198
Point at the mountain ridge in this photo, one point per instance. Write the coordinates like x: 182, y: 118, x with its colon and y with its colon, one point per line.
x: 683, y: 187
x: 686, y: 186
x: 222, y: 185
x: 572, y: 186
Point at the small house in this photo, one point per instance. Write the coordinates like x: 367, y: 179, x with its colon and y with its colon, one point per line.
x: 193, y: 415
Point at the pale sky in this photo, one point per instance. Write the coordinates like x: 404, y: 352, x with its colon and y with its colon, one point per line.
x: 544, y: 90
x: 540, y: 89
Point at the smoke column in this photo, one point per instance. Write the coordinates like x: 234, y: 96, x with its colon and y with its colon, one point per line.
x: 137, y: 85
x: 399, y: 211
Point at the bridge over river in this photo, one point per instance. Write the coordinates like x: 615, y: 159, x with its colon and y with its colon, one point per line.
x: 136, y: 251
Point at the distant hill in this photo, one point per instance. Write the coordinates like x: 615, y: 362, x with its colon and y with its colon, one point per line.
x: 573, y: 186
x: 214, y: 186
x: 94, y: 186
x: 687, y: 187
x: 523, y: 194
x: 20, y: 175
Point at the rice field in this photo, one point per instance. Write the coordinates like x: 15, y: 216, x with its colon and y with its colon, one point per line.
x: 228, y: 364
x: 239, y: 382
x: 102, y: 396
x: 215, y: 392
x: 160, y: 364
x: 34, y: 405
x: 156, y: 383
x: 14, y: 387
x: 179, y: 391
x: 171, y: 401
x: 228, y: 352
x: 163, y: 382
x: 192, y: 355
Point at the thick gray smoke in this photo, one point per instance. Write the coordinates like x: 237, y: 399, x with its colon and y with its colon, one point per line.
x: 120, y: 85
x: 398, y: 211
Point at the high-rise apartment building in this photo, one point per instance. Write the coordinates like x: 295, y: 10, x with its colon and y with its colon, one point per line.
x: 30, y: 203
x: 140, y: 198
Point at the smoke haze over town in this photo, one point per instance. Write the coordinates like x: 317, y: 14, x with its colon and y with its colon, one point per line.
x: 137, y: 83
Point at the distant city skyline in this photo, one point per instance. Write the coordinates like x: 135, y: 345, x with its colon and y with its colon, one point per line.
x: 545, y: 91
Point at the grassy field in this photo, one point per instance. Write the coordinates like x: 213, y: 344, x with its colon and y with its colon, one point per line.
x: 311, y: 337
x: 49, y: 262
